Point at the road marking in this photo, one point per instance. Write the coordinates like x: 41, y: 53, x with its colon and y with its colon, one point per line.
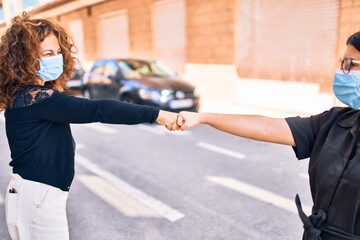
x: 101, y: 128
x: 221, y: 150
x: 117, y: 198
x: 79, y: 146
x: 258, y: 193
x: 158, y: 206
x: 151, y: 130
x: 178, y: 133
x: 304, y: 175
x: 161, y: 130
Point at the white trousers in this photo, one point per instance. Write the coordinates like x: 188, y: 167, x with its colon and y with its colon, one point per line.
x: 36, y: 211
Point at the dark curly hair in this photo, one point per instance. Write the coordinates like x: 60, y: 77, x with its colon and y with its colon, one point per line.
x: 19, y: 55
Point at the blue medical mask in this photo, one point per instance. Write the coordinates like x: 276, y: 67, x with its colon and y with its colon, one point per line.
x: 51, y: 67
x: 347, y: 87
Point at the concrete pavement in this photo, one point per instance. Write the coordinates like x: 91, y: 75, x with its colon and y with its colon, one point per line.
x: 221, y: 90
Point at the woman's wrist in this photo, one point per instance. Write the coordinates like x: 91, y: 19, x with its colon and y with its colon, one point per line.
x: 160, y: 116
x: 204, y: 118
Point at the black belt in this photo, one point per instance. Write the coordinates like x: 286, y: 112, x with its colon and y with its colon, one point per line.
x: 314, y: 225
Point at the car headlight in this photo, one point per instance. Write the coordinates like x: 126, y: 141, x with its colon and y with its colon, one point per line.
x: 149, y: 94
x: 166, y: 92
x: 156, y: 95
x: 166, y: 95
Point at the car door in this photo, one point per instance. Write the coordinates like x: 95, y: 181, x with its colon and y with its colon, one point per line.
x: 112, y: 83
x: 94, y: 88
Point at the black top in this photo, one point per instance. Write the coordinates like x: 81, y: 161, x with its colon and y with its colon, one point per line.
x: 39, y: 134
x: 331, y: 140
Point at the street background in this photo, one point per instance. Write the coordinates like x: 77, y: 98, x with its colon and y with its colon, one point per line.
x: 270, y: 57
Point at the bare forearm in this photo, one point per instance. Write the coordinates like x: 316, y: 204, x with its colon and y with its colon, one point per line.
x: 261, y: 128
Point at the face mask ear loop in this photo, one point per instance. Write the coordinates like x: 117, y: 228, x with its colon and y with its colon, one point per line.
x: 37, y: 67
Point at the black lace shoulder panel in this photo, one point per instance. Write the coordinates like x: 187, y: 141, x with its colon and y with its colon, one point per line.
x: 30, y: 95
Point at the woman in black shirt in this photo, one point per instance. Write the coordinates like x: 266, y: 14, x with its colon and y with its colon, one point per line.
x: 331, y: 140
x: 36, y: 59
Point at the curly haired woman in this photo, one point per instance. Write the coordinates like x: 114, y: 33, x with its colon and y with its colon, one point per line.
x: 36, y: 59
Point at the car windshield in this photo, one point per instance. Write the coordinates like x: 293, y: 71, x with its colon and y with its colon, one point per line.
x: 134, y: 69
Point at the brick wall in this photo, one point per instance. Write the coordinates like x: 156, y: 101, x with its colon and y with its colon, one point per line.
x: 209, y: 28
x: 88, y: 28
x: 139, y: 13
x: 349, y: 22
x: 210, y: 31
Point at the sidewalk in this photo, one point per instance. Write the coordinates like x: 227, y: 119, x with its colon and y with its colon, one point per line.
x: 271, y: 100
x: 260, y: 109
x: 221, y: 90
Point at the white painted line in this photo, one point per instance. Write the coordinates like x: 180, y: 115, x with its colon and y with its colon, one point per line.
x: 161, y: 130
x: 2, y: 200
x: 304, y: 175
x: 158, y: 206
x: 151, y: 130
x: 101, y: 128
x: 178, y: 133
x: 79, y: 146
x: 221, y: 150
x: 117, y: 198
x: 258, y: 193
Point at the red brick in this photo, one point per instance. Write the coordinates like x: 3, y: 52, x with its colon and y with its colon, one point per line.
x: 346, y: 3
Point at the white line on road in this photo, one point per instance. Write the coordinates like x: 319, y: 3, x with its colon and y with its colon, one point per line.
x: 115, y: 197
x: 258, y: 193
x: 158, y: 206
x: 161, y: 130
x: 79, y: 146
x: 151, y: 130
x: 304, y: 175
x: 101, y: 128
x: 221, y: 150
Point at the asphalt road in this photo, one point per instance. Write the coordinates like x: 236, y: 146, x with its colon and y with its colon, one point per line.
x: 142, y: 182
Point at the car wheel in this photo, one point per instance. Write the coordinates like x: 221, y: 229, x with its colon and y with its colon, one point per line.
x: 127, y: 98
x: 87, y: 94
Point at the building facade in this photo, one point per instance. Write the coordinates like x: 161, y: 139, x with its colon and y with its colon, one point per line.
x: 217, y: 42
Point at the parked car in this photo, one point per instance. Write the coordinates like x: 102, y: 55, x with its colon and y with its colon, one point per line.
x: 141, y: 82
x: 74, y: 86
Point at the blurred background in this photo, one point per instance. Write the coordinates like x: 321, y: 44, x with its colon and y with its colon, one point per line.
x: 260, y: 53
x: 273, y: 57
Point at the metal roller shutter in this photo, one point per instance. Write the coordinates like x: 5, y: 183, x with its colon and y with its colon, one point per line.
x: 287, y: 40
x: 169, y: 33
x: 114, y: 34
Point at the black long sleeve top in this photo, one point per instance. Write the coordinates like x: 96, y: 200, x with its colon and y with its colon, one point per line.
x: 39, y: 135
